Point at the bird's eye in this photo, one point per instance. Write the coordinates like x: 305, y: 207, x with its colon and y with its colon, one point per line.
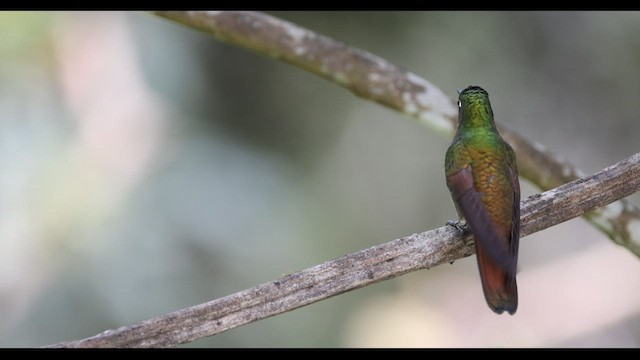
x: 459, y: 104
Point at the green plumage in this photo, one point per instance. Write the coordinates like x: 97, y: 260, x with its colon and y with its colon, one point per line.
x: 482, y: 176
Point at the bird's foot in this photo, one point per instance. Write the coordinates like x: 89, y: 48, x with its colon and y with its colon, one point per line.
x: 458, y: 224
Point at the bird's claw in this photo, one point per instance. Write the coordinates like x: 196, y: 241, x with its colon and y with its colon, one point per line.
x: 459, y: 225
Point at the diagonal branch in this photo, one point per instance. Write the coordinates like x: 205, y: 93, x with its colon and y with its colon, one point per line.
x: 366, y: 267
x: 374, y: 78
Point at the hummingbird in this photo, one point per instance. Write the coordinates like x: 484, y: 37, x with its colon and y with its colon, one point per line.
x: 482, y: 177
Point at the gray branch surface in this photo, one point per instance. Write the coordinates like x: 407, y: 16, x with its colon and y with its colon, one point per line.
x: 386, y: 261
x: 373, y: 78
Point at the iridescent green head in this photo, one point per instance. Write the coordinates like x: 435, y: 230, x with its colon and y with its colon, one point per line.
x: 474, y: 108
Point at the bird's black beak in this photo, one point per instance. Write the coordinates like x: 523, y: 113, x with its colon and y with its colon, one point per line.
x: 459, y: 91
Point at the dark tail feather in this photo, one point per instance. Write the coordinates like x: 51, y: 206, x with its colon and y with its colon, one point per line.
x: 500, y: 289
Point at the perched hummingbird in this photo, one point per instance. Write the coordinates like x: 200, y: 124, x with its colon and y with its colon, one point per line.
x: 483, y: 179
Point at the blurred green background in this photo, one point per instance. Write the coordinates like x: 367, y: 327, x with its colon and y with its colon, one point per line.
x: 147, y: 167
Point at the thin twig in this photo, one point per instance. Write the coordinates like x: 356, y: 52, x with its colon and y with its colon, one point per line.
x: 366, y: 267
x: 374, y: 78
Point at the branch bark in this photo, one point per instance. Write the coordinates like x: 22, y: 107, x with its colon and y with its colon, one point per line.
x: 386, y: 261
x: 373, y: 78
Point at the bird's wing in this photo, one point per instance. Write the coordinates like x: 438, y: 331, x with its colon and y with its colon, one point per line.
x: 488, y: 236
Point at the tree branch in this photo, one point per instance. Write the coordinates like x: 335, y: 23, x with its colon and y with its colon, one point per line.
x: 374, y: 78
x: 366, y: 267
